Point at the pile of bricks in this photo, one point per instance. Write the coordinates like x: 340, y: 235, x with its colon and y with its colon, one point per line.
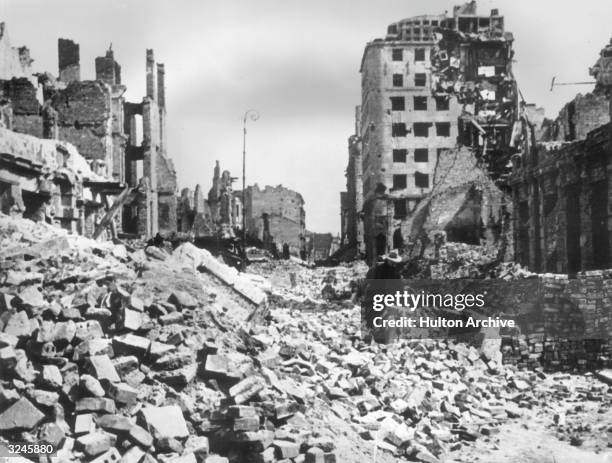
x: 132, y: 355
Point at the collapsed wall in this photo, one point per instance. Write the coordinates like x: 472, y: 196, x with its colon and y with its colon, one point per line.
x: 48, y: 180
x: 464, y: 205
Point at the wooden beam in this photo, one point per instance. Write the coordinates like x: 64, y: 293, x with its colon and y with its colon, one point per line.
x: 126, y: 196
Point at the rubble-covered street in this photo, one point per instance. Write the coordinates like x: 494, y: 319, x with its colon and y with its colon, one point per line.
x: 115, y: 353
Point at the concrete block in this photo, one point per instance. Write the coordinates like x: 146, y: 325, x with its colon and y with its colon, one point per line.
x: 114, y: 423
x: 84, y: 424
x: 123, y: 393
x: 94, y: 443
x: 22, y: 415
x: 102, y: 367
x: 315, y: 455
x: 140, y: 436
x: 95, y: 404
x: 19, y: 325
x: 165, y: 421
x: 133, y: 455
x: 286, y: 449
x: 92, y: 386
x: 52, y: 377
x: 130, y: 344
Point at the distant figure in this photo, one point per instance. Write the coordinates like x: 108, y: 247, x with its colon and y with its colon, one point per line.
x: 156, y: 241
x: 382, y: 278
x: 286, y: 253
x: 388, y: 269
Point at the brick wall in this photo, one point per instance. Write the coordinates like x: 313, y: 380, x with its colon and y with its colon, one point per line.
x: 563, y: 322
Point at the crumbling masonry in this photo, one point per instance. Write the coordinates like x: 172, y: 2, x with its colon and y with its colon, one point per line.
x: 561, y: 185
x: 219, y: 215
x: 124, y: 143
x: 275, y: 216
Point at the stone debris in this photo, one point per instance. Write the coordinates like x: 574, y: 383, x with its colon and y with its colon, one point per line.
x: 209, y: 387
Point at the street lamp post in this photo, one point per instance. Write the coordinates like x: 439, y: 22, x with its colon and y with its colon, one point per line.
x: 253, y: 115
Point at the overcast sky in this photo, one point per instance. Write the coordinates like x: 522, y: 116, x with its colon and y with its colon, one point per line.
x: 297, y: 62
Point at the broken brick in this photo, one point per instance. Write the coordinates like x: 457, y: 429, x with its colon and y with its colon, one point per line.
x: 22, y: 415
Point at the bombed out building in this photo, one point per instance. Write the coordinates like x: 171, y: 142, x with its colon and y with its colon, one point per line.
x: 561, y: 185
x: 275, y: 216
x: 126, y: 183
x: 438, y: 96
x: 217, y: 215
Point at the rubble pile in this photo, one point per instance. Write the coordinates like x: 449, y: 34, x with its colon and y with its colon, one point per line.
x: 117, y: 354
x: 292, y: 286
x: 452, y: 260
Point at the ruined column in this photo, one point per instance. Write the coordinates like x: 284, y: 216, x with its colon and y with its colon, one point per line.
x: 151, y: 75
x: 161, y: 103
x: 161, y: 86
x: 69, y: 60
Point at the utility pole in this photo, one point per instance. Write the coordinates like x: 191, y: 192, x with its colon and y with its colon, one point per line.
x: 253, y: 115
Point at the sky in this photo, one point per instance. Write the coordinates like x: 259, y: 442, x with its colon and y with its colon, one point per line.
x: 296, y: 62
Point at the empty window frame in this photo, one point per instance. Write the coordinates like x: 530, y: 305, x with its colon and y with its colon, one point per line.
x: 398, y: 80
x: 419, y: 54
x: 398, y: 103
x: 420, y: 79
x: 397, y: 54
x: 443, y: 129
x: 421, y: 180
x: 421, y: 129
x: 420, y: 103
x: 421, y: 155
x: 400, y: 181
x: 400, y: 155
x: 398, y: 129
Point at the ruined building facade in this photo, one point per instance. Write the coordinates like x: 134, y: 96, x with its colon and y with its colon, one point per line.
x: 275, y: 216
x: 218, y: 215
x: 561, y: 185
x: 123, y: 143
x: 433, y: 85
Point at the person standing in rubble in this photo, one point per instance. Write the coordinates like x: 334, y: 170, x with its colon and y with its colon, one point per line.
x: 383, y: 278
x: 386, y: 269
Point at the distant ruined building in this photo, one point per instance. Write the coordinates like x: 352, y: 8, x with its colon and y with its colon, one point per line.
x: 432, y: 142
x: 275, y: 217
x: 218, y: 215
x: 127, y: 182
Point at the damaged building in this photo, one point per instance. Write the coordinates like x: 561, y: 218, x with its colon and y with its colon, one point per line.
x: 275, y: 217
x: 123, y: 143
x: 561, y: 188
x: 438, y: 96
x: 218, y: 215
